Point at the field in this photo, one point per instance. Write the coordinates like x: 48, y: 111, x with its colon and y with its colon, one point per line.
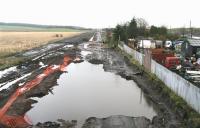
x: 185, y: 31
x: 9, y: 28
x: 14, y: 42
x: 21, y: 27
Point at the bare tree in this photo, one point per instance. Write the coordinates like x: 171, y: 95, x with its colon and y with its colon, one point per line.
x: 141, y: 23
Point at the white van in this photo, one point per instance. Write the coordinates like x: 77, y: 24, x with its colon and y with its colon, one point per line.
x: 168, y: 44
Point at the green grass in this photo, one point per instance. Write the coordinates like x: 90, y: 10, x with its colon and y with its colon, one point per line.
x: 36, y: 29
x: 10, y: 61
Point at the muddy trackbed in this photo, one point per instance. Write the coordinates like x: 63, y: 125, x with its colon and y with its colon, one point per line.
x: 53, y: 55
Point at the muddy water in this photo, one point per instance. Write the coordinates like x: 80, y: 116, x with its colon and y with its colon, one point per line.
x: 87, y: 91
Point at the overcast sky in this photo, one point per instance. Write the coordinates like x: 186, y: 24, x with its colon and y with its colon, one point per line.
x: 100, y: 13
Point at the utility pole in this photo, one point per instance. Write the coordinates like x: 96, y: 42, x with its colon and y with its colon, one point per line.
x: 183, y: 31
x: 190, y: 29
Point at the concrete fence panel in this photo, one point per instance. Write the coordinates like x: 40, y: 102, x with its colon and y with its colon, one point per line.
x: 189, y: 92
x: 135, y: 54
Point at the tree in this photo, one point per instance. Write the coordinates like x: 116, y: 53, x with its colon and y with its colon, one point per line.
x: 162, y: 30
x: 120, y: 33
x: 139, y: 27
x: 153, y: 30
x: 117, y: 32
x: 132, y: 29
x: 141, y: 23
x: 159, y: 33
x: 124, y: 34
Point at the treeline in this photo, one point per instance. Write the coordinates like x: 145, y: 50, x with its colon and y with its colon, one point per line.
x: 139, y: 28
x: 186, y: 31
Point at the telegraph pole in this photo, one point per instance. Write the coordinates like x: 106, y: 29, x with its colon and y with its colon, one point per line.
x: 190, y: 29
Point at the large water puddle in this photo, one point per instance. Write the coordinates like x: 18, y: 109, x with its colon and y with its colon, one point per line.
x: 88, y: 91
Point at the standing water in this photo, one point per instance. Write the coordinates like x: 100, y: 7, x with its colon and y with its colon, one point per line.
x: 88, y: 91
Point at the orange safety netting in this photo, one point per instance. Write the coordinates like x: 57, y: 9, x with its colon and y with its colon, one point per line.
x: 23, y: 121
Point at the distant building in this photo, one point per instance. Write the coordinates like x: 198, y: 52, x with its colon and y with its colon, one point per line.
x: 146, y: 44
x: 177, y: 45
x: 190, y: 47
x: 132, y: 43
x: 159, y: 43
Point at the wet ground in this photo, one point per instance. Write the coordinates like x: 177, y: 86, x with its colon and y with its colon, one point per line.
x: 101, y: 84
x: 86, y: 91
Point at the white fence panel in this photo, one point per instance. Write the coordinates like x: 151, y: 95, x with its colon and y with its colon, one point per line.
x: 136, y: 55
x: 182, y: 87
x: 129, y: 50
x: 189, y: 92
x: 139, y: 57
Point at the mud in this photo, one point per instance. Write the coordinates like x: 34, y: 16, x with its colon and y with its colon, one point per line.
x: 33, y: 66
x: 93, y: 122
x: 112, y: 60
x: 44, y: 52
x: 117, y: 122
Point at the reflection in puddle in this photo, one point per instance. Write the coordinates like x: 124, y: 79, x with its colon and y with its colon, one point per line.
x: 86, y: 46
x: 69, y: 46
x: 87, y: 91
x: 85, y: 53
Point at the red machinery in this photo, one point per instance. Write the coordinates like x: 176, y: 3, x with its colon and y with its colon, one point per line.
x: 172, y: 62
x: 165, y: 58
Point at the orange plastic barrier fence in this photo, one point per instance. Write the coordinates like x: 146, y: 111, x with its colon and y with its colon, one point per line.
x: 23, y: 121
